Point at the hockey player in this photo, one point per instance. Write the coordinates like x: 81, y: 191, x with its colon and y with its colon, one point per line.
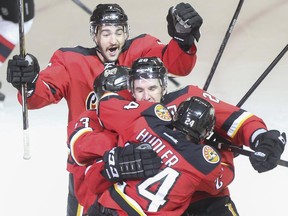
x: 98, y: 141
x: 82, y: 138
x: 71, y: 71
x: 186, y: 167
x: 9, y: 27
x: 148, y: 81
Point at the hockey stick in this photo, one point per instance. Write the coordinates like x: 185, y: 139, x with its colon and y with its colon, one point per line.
x: 262, y: 77
x: 172, y: 79
x: 226, y: 145
x: 223, y: 45
x: 85, y: 8
x: 27, y: 154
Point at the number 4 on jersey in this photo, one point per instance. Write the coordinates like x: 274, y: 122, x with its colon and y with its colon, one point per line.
x: 166, y: 178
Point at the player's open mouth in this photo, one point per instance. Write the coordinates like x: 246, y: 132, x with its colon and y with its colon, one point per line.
x: 113, y: 50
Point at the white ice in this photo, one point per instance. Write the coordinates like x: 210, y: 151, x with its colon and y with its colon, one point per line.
x: 39, y: 186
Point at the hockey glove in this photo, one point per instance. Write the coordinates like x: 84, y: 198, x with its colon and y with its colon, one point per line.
x: 135, y: 161
x: 184, y: 24
x: 10, y: 9
x: 268, y: 148
x: 21, y: 71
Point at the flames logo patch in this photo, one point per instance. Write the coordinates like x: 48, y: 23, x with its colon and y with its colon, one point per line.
x: 162, y: 113
x: 91, y: 101
x: 210, y: 155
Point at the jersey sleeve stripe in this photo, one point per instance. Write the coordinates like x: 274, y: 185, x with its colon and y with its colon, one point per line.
x: 74, y: 139
x: 237, y: 123
x: 129, y: 205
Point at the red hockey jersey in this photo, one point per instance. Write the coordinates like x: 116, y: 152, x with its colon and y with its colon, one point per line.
x: 233, y: 123
x: 187, y: 167
x: 89, y: 141
x: 71, y: 72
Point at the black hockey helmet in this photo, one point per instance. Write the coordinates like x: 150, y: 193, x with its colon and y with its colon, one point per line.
x: 195, y: 117
x: 148, y: 68
x: 112, y: 79
x: 108, y: 14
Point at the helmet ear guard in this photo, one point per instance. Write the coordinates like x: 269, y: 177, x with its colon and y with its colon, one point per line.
x: 195, y: 117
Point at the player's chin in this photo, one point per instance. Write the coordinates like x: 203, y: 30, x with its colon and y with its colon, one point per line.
x: 112, y: 56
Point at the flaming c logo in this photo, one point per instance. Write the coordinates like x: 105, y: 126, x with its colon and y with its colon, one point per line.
x: 91, y: 101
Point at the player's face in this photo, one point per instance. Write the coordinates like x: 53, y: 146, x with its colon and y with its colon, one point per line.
x: 147, y: 90
x: 110, y: 40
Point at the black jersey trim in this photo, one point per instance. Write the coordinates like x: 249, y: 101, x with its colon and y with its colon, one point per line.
x: 119, y: 198
x: 81, y: 50
x: 227, y: 124
x: 130, y: 41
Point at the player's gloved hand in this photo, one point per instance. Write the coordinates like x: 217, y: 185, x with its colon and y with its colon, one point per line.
x: 184, y: 24
x: 21, y: 71
x: 268, y: 148
x: 10, y: 9
x: 135, y: 161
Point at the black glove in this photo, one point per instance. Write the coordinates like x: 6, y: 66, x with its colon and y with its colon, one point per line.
x: 184, y: 24
x: 135, y: 161
x: 268, y: 148
x: 98, y: 210
x: 10, y: 10
x: 21, y: 71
